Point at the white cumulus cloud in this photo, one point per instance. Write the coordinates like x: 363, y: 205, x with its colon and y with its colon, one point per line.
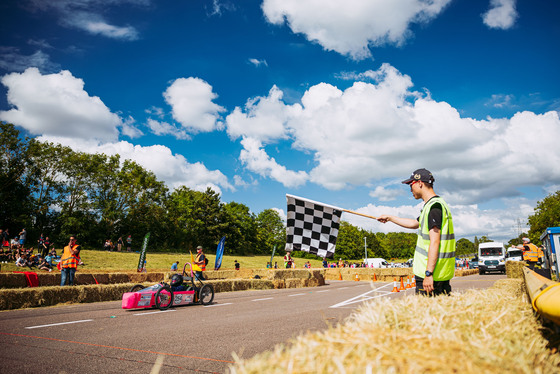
x: 256, y: 160
x: 351, y: 27
x: 191, y: 101
x: 501, y: 15
x: 58, y: 105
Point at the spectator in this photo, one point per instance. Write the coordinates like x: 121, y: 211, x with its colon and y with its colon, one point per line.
x: 44, y: 250
x: 119, y: 244
x: 236, y: 264
x: 40, y: 243
x: 69, y: 262
x: 22, y: 237
x: 129, y: 243
x: 49, y: 259
x: 108, y: 246
x: 174, y: 266
x: 276, y: 265
x: 288, y: 261
x: 325, y: 263
x: 4, y: 238
x: 44, y: 265
x: 200, y: 260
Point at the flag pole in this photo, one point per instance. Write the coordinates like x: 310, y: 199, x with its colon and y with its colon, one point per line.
x: 359, y: 214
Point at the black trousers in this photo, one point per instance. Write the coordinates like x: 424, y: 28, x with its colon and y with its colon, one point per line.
x: 440, y: 287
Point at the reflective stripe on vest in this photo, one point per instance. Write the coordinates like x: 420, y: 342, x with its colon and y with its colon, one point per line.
x: 69, y: 260
x: 203, y: 266
x: 445, y: 265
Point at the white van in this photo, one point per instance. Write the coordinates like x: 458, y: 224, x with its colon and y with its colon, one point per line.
x: 514, y: 254
x: 491, y: 257
x: 376, y: 263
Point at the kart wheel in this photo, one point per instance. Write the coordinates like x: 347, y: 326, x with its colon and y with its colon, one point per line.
x: 164, y: 297
x: 136, y: 288
x: 206, y: 294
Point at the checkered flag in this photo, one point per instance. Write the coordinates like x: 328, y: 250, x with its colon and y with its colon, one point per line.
x: 312, y: 227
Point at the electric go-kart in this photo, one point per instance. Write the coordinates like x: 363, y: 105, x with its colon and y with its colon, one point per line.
x: 182, y: 290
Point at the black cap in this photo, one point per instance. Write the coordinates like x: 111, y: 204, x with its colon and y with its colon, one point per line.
x: 420, y: 175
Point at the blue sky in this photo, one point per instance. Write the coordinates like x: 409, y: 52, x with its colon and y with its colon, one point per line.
x: 334, y: 101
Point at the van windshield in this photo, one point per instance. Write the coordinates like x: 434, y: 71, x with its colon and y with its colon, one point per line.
x: 491, y: 251
x: 515, y: 253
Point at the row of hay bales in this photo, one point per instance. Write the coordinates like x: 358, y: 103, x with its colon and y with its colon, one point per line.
x: 18, y: 280
x: 16, y: 298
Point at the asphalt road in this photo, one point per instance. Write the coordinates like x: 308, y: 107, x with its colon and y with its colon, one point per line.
x: 103, y: 338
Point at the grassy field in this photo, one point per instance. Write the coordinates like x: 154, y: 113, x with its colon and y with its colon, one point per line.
x: 104, y: 261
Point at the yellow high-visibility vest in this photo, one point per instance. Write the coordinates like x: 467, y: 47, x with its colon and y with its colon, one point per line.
x: 445, y: 266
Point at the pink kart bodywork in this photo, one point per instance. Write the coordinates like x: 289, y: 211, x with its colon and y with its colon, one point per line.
x: 146, y: 298
x: 162, y: 295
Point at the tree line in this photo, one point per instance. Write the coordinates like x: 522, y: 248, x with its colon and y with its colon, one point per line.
x: 51, y: 189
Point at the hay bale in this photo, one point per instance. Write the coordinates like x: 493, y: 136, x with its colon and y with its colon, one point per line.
x: 261, y: 284
x: 279, y: 283
x: 514, y: 269
x: 12, y: 280
x: 241, y: 284
x: 479, y: 331
x: 222, y: 285
x: 294, y: 283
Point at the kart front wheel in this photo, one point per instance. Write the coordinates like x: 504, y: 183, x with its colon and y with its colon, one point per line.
x: 136, y: 288
x: 164, y: 297
x: 206, y: 294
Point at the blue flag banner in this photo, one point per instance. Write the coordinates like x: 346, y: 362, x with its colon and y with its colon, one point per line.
x: 220, y: 254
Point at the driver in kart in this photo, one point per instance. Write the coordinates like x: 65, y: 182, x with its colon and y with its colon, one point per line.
x: 177, y: 283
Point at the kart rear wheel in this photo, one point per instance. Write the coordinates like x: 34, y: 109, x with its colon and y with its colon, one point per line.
x: 164, y: 297
x: 136, y: 288
x: 206, y: 294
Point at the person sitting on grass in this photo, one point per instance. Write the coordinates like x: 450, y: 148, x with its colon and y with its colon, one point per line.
x: 44, y: 265
x: 174, y: 266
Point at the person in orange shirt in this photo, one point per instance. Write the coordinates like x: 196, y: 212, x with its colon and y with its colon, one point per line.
x: 69, y: 262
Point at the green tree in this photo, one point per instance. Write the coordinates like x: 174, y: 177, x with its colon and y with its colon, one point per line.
x: 270, y: 231
x: 195, y: 218
x: 399, y: 245
x: 464, y: 247
x: 547, y: 214
x: 47, y: 167
x: 240, y: 229
x: 350, y: 242
x: 16, y: 182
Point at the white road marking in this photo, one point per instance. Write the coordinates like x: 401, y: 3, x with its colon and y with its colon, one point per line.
x: 378, y: 292
x: 58, y: 324
x: 266, y: 298
x: 159, y: 311
x: 210, y: 306
x: 296, y: 294
x: 324, y: 291
x: 157, y: 365
x: 343, y: 288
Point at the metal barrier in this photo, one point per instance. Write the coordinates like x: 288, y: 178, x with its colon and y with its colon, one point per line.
x: 544, y: 294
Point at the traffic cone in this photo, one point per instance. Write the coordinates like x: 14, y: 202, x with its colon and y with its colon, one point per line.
x: 408, y: 282
x: 339, y: 276
x: 374, y: 277
x: 413, y: 285
x: 401, y: 288
x: 395, y: 288
x: 357, y: 278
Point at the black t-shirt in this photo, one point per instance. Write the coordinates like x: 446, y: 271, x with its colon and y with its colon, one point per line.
x: 435, y: 216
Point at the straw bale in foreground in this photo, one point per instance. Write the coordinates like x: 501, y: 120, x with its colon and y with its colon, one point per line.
x: 480, y: 331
